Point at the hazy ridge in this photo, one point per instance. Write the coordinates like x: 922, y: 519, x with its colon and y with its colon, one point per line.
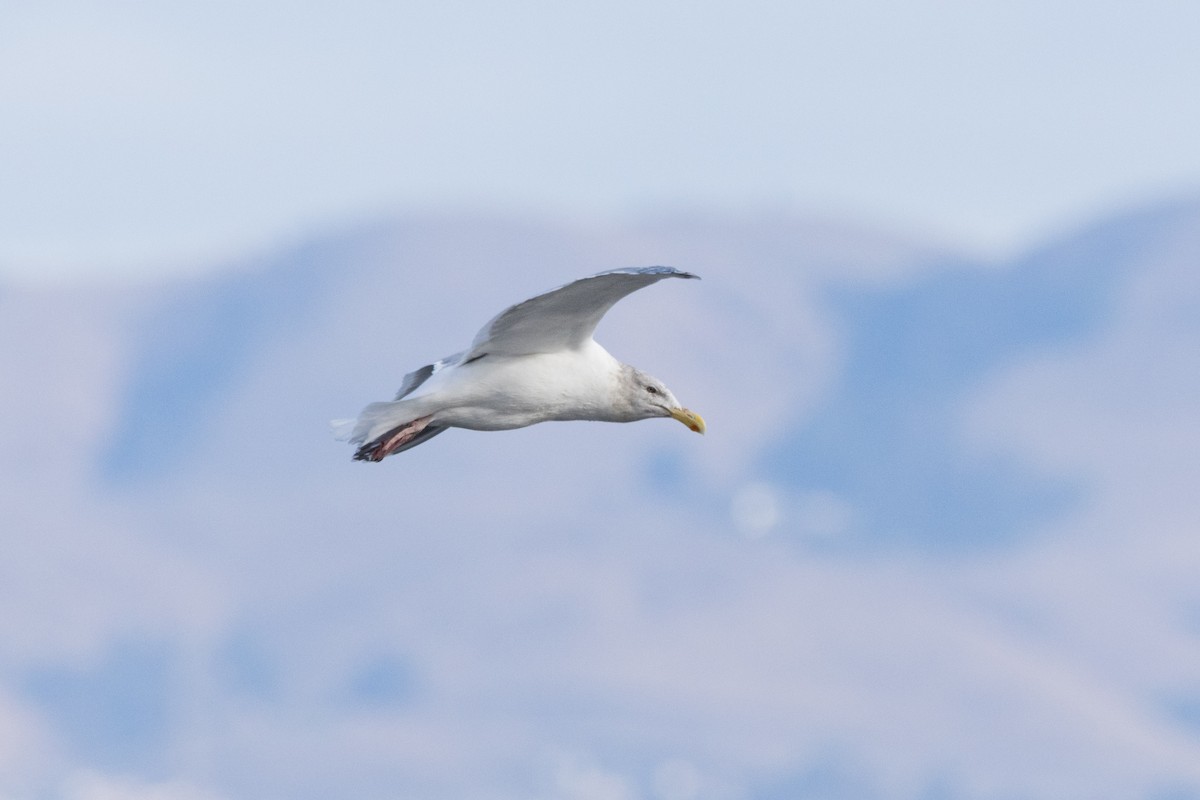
x: 939, y: 541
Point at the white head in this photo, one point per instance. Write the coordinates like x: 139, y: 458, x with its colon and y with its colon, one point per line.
x: 643, y: 396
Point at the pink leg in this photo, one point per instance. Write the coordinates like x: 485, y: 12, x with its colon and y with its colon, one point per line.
x: 391, y: 441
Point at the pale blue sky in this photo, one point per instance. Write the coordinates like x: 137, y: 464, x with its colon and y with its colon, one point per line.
x: 140, y: 138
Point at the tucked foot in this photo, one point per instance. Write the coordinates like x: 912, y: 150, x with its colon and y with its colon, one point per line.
x: 393, y: 441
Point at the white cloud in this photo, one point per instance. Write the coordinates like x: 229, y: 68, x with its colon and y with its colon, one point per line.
x: 575, y: 780
x: 755, y: 510
x: 97, y: 786
x: 677, y: 779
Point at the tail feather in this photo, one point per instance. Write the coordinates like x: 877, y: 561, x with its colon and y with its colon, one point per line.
x: 371, y: 422
x: 342, y: 429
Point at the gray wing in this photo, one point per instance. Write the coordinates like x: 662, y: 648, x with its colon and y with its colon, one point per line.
x: 418, y: 376
x: 564, y: 317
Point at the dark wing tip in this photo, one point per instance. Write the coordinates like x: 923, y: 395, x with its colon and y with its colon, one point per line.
x: 371, y: 451
x: 665, y: 272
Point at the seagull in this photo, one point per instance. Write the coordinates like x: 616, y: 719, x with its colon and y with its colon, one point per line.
x: 534, y: 362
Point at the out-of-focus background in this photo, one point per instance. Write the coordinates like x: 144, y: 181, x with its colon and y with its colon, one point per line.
x: 941, y: 541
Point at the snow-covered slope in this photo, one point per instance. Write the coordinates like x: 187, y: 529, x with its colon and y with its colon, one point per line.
x: 938, y: 541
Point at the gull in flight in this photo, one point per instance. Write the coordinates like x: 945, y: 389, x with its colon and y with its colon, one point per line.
x: 535, y: 362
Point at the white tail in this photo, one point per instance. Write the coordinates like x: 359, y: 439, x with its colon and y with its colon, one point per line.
x: 342, y: 429
x: 374, y: 420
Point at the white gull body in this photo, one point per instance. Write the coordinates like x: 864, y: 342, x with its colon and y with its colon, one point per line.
x: 534, y: 362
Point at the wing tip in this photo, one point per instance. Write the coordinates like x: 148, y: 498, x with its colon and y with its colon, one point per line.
x: 659, y: 270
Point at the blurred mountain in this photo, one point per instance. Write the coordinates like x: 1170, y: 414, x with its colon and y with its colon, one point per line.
x: 939, y: 541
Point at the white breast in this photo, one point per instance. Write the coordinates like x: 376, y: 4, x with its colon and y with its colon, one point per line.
x: 502, y: 392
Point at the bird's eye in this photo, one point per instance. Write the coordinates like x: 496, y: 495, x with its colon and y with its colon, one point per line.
x: 652, y: 390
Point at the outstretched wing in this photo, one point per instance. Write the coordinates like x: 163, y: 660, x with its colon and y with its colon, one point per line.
x: 565, y: 317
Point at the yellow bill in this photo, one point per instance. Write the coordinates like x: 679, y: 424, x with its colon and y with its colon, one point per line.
x: 689, y: 418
